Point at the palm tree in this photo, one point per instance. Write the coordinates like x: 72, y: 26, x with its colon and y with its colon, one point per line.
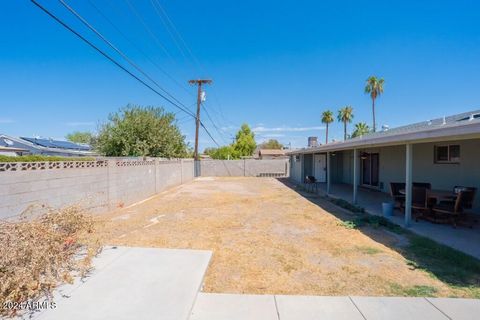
x: 374, y: 87
x: 345, y: 115
x: 361, y: 129
x: 327, y: 118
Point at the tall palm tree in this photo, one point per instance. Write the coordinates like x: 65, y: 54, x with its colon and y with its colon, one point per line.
x: 345, y: 115
x: 361, y: 129
x: 327, y: 118
x: 374, y: 87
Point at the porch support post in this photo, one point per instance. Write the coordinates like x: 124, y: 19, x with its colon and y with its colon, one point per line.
x: 329, y: 176
x: 355, y: 175
x: 408, y: 184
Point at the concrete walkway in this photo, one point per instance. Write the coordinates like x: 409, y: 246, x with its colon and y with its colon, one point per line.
x: 134, y: 283
x: 164, y: 284
x: 212, y: 306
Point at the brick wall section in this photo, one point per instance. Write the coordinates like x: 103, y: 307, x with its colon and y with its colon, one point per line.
x: 96, y: 185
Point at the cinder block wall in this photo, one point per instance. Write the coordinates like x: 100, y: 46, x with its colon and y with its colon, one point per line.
x: 96, y: 185
x: 244, y: 168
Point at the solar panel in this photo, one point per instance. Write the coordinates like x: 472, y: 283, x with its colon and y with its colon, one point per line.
x: 56, y: 144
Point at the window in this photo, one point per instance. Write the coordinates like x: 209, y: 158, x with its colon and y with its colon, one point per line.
x: 447, y: 154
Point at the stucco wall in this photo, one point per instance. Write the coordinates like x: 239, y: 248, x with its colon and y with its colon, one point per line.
x: 244, y: 168
x: 98, y: 186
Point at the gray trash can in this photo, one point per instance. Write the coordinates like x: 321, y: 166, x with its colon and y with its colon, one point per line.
x: 387, y: 209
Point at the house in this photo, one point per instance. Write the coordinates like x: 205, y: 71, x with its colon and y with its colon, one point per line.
x: 44, y: 147
x: 12, y: 152
x: 271, y: 154
x: 444, y: 152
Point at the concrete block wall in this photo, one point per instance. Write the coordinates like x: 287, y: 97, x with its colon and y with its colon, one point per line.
x: 244, y: 168
x: 97, y: 185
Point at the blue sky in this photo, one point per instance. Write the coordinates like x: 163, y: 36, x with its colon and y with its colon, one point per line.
x: 276, y: 65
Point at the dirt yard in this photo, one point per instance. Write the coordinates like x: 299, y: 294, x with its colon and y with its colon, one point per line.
x: 267, y: 238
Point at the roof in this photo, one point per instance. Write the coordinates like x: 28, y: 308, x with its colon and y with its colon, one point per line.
x: 460, y: 126
x: 45, y: 145
x: 272, y: 152
x: 12, y: 149
x: 50, y: 143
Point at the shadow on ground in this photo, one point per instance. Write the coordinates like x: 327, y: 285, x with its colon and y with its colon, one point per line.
x: 450, y: 266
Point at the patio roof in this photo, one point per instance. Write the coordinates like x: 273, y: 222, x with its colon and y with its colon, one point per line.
x: 461, y: 126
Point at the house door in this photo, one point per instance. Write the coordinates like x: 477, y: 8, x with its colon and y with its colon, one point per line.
x: 320, y: 167
x: 370, y: 169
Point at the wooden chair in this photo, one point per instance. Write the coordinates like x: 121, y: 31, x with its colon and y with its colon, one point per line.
x: 453, y: 211
x: 419, y: 201
x: 425, y: 185
x: 398, y: 198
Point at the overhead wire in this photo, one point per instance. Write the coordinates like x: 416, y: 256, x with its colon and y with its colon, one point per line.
x: 108, y: 57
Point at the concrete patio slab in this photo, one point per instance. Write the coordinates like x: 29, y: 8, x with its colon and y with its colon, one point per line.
x: 213, y: 306
x: 397, y: 308
x: 316, y: 308
x: 458, y: 309
x: 136, y: 283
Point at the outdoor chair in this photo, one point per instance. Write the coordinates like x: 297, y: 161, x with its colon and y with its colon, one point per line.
x: 468, y: 202
x: 453, y: 211
x: 398, y: 198
x: 419, y: 202
x: 311, y: 183
x: 425, y: 185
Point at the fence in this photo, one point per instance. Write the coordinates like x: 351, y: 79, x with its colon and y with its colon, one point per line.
x: 97, y: 185
x: 244, y: 168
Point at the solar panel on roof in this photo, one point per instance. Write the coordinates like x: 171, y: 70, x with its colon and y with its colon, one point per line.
x: 56, y: 144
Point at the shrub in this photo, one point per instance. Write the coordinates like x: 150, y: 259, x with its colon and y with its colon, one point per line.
x: 37, y: 253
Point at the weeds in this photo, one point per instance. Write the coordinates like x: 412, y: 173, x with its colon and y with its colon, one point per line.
x: 38, y: 253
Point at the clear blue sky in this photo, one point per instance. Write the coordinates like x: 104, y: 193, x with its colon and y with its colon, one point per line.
x: 275, y: 64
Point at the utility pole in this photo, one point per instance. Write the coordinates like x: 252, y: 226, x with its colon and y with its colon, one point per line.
x: 199, y: 83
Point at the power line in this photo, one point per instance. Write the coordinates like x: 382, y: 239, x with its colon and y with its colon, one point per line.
x: 107, y: 56
x: 213, y: 123
x: 149, y: 31
x: 111, y: 45
x: 179, y: 35
x: 138, y: 48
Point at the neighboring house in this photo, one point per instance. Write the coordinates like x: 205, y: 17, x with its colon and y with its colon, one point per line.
x: 271, y: 154
x: 444, y: 152
x: 13, y: 152
x: 46, y: 146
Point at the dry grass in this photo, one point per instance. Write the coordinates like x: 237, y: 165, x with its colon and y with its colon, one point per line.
x: 39, y: 252
x: 268, y: 239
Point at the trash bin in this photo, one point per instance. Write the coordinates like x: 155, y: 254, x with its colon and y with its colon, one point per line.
x: 387, y: 208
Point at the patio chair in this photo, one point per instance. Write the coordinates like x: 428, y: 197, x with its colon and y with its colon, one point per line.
x: 398, y: 198
x: 419, y: 202
x: 311, y: 183
x: 425, y: 185
x: 453, y: 211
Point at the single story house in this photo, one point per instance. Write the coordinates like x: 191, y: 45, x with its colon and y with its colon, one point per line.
x: 48, y: 147
x: 271, y: 154
x: 444, y: 152
x: 12, y: 152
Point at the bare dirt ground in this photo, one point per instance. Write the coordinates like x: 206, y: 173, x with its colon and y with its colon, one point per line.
x: 267, y: 238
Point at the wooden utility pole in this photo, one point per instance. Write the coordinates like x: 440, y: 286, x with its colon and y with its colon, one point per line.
x: 199, y: 83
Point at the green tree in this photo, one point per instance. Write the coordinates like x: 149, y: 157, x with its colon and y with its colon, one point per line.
x: 142, y: 131
x: 327, y: 118
x: 225, y: 153
x: 345, y: 115
x: 361, y: 129
x: 209, y: 151
x: 245, y: 141
x: 271, y: 144
x: 80, y: 137
x: 374, y: 87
